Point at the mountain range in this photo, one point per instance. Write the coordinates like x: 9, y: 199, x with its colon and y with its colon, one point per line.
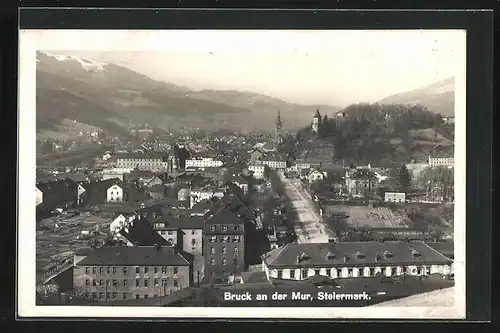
x: 74, y: 93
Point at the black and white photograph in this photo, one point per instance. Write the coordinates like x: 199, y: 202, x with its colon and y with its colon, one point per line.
x: 242, y: 173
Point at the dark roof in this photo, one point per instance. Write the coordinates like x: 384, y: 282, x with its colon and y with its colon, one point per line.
x: 362, y: 174
x: 192, y: 222
x: 141, y: 232
x: 224, y: 216
x: 134, y: 194
x: 203, y: 206
x: 254, y: 277
x: 234, y: 204
x: 445, y: 248
x: 159, y: 188
x: 135, y: 256
x: 321, y: 254
x: 95, y: 192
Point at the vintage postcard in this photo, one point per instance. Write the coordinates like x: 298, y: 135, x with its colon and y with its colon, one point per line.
x: 242, y: 174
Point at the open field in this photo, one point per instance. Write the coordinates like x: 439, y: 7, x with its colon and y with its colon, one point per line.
x: 368, y: 217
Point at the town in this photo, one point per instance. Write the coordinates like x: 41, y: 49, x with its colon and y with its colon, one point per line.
x: 166, y: 218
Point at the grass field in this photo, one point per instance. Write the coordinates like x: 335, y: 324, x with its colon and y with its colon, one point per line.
x: 368, y: 217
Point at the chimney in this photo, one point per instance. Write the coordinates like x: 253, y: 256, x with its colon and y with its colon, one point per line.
x: 345, y: 258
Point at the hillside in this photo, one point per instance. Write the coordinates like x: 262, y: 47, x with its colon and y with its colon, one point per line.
x: 438, y: 97
x: 380, y: 134
x: 114, y: 98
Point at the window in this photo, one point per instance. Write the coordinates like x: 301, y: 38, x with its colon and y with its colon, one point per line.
x: 170, y: 233
x: 393, y: 271
x: 137, y: 270
x: 225, y: 239
x: 224, y: 250
x: 125, y: 283
x: 108, y: 283
x: 114, y: 283
x: 292, y: 274
x: 114, y: 295
x: 101, y: 283
x: 212, y: 239
x: 163, y: 270
x: 87, y: 282
x: 137, y: 296
x: 94, y: 295
x: 94, y: 270
x: 137, y: 283
x: 316, y: 271
x: 193, y: 241
x: 156, y: 282
x: 212, y: 261
x: 193, y: 232
x: 146, y: 282
x: 101, y: 295
x: 94, y: 283
x: 125, y: 270
x: 224, y: 228
x: 224, y: 261
x: 163, y: 233
x: 146, y: 270
x: 212, y: 228
x: 304, y: 273
x: 176, y: 283
x: 236, y: 250
x: 371, y: 272
x: 280, y: 274
x: 124, y: 295
x: 156, y: 270
x: 236, y: 239
x: 87, y: 270
x: 163, y: 282
x: 349, y: 272
x: 146, y: 296
x: 176, y: 270
x: 235, y: 228
x: 101, y: 270
x: 108, y: 269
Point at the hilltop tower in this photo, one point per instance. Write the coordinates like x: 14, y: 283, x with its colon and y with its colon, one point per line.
x: 279, y: 129
x: 316, y: 122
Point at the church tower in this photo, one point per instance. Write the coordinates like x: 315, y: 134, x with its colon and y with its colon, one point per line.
x: 316, y: 122
x: 279, y: 129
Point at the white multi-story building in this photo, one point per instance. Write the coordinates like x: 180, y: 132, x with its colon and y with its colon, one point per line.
x: 441, y: 161
x: 199, y: 194
x: 114, y: 173
x: 354, y: 259
x: 258, y: 170
x: 114, y: 194
x: 205, y: 162
x: 149, y: 162
x: 275, y: 164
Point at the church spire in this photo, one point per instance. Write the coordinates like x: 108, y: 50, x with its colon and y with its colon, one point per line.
x: 278, y: 120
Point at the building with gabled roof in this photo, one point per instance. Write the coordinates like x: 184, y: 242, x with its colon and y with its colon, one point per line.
x: 118, y: 273
x: 354, y: 259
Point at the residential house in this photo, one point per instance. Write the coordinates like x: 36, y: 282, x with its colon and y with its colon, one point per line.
x: 117, y: 273
x: 241, y: 182
x: 202, y: 207
x: 354, y: 259
x: 100, y: 192
x: 257, y: 170
x: 151, y: 182
x: 156, y: 191
x: 269, y: 147
x: 140, y: 232
x: 275, y: 163
x: 315, y: 175
x: 256, y: 155
x: 200, y: 194
x: 361, y: 183
x: 58, y: 194
x: 224, y: 245
x: 192, y: 234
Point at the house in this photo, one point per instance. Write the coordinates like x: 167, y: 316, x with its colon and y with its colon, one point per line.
x: 397, y: 197
x: 256, y: 155
x: 361, y: 183
x: 199, y: 194
x: 212, y: 172
x: 140, y: 232
x: 315, y: 175
x: 100, y: 192
x: 441, y: 161
x: 257, y: 170
x: 224, y: 245
x: 241, y: 182
x: 151, y: 182
x: 156, y: 191
x: 354, y: 259
x: 56, y: 194
x: 121, y: 221
x: 334, y: 172
x: 203, y: 206
x: 269, y: 147
x: 275, y: 163
x: 192, y: 234
x: 118, y: 273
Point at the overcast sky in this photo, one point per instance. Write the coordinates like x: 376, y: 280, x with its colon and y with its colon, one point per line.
x: 307, y: 67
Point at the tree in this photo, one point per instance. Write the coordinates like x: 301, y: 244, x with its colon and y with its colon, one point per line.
x: 404, y: 178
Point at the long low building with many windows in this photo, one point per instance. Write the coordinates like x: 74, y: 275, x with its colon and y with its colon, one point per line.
x: 117, y: 273
x: 354, y: 259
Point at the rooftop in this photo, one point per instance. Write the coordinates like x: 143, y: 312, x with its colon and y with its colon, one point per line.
x: 135, y: 256
x: 224, y: 216
x: 354, y: 253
